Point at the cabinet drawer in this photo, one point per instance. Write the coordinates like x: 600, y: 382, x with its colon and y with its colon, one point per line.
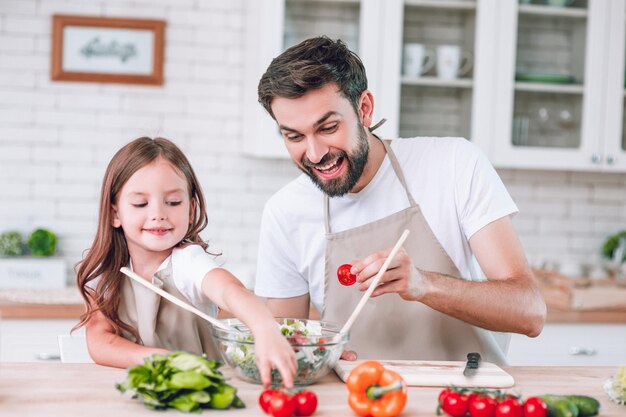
x: 571, y: 344
x: 31, y: 340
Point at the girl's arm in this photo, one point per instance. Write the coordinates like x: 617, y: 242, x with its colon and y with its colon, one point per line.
x: 109, y: 349
x: 271, y: 348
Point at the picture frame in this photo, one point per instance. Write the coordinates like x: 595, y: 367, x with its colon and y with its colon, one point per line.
x: 107, y: 50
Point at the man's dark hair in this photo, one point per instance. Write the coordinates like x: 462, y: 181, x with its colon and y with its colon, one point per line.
x: 310, y: 65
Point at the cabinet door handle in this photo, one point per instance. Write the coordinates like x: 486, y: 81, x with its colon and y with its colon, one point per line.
x: 610, y: 159
x: 581, y: 351
x: 596, y: 158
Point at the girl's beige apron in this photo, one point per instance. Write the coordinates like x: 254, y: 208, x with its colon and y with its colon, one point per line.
x: 390, y: 327
x: 161, y: 323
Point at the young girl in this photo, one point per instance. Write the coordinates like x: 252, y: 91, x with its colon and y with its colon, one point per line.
x: 151, y: 213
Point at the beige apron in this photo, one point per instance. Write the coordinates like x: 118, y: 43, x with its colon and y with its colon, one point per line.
x: 388, y: 326
x: 161, y: 323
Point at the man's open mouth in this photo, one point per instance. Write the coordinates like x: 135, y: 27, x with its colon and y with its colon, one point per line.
x: 330, y: 169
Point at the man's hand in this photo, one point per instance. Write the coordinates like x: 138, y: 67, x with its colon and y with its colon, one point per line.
x: 348, y: 355
x: 401, y: 276
x: 508, y: 301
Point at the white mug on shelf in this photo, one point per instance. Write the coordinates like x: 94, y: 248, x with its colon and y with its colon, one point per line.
x: 449, y: 62
x: 417, y: 59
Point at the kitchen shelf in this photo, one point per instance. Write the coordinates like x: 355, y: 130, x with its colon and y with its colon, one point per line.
x: 447, y: 4
x: 549, y: 87
x: 539, y: 10
x: 436, y: 82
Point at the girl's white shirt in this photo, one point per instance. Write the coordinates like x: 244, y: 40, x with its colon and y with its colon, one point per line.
x: 189, y: 266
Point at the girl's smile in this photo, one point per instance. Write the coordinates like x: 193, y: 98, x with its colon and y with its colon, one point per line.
x: 158, y: 231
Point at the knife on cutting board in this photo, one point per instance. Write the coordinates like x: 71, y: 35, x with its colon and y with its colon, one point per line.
x: 471, y: 367
x: 418, y: 373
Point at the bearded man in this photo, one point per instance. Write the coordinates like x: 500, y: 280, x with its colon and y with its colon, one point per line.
x: 461, y: 280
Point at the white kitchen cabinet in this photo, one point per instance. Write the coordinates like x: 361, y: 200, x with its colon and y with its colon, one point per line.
x: 560, y: 84
x: 26, y: 340
x: 546, y: 90
x: 571, y: 344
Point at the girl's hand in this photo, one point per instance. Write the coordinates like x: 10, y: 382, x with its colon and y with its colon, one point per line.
x: 272, y: 350
x: 401, y: 276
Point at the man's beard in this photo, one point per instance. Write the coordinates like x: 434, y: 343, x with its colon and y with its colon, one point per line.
x: 355, y: 165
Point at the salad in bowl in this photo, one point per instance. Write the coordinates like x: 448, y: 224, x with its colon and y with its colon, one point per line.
x: 317, y: 345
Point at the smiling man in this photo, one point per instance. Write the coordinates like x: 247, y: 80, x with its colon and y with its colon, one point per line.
x: 461, y: 278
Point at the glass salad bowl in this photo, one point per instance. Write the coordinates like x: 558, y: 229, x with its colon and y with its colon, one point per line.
x: 317, y: 344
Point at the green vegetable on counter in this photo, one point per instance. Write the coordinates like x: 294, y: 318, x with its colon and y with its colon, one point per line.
x: 571, y: 405
x: 181, y: 381
x: 616, y: 387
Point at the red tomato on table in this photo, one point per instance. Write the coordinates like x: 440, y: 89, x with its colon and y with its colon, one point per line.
x: 535, y: 407
x: 306, y: 403
x: 282, y: 405
x: 509, y: 408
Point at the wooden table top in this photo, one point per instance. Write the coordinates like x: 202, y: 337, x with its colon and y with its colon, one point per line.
x: 63, y: 390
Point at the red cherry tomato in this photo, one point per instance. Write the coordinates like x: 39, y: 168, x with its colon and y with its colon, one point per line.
x: 443, y: 394
x: 535, y: 407
x: 282, y: 405
x: 306, y: 403
x: 509, y: 408
x: 482, y: 407
x: 344, y: 276
x: 264, y: 399
x: 455, y: 404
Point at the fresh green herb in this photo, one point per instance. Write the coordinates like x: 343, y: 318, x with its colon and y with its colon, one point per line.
x: 182, y: 381
x: 42, y: 242
x: 11, y: 243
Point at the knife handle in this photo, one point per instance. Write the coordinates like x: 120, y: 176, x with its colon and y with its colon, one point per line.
x: 473, y: 357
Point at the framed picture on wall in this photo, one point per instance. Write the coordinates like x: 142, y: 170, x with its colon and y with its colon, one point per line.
x: 112, y: 50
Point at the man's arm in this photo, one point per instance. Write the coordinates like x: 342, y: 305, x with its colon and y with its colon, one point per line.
x: 509, y: 301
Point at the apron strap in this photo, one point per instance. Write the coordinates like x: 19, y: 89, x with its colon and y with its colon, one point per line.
x: 396, y: 168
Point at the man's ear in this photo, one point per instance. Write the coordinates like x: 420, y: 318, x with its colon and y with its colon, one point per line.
x: 115, y: 219
x: 366, y: 108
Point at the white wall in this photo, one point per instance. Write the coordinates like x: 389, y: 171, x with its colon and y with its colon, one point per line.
x: 56, y: 138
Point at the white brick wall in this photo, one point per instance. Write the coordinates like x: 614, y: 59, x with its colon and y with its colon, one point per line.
x: 57, y: 137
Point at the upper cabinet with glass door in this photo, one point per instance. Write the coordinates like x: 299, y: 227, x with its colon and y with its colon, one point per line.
x: 552, y: 82
x: 436, y: 83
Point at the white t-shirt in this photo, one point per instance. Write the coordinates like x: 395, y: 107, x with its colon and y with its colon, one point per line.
x: 456, y: 187
x: 189, y: 267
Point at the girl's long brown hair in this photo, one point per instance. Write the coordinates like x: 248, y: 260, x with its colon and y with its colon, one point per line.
x: 109, y: 251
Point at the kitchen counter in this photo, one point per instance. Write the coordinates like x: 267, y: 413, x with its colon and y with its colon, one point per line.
x: 11, y: 310
x: 55, y: 389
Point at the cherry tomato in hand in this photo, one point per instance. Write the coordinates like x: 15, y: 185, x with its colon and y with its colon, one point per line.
x: 344, y: 275
x: 306, y: 403
x: 264, y: 399
x: 482, y: 407
x: 509, y: 408
x: 455, y: 404
x: 282, y: 405
x: 535, y: 407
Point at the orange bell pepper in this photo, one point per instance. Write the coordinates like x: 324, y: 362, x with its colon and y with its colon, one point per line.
x: 376, y: 391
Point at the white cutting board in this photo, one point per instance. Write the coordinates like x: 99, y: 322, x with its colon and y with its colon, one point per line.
x: 438, y: 373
